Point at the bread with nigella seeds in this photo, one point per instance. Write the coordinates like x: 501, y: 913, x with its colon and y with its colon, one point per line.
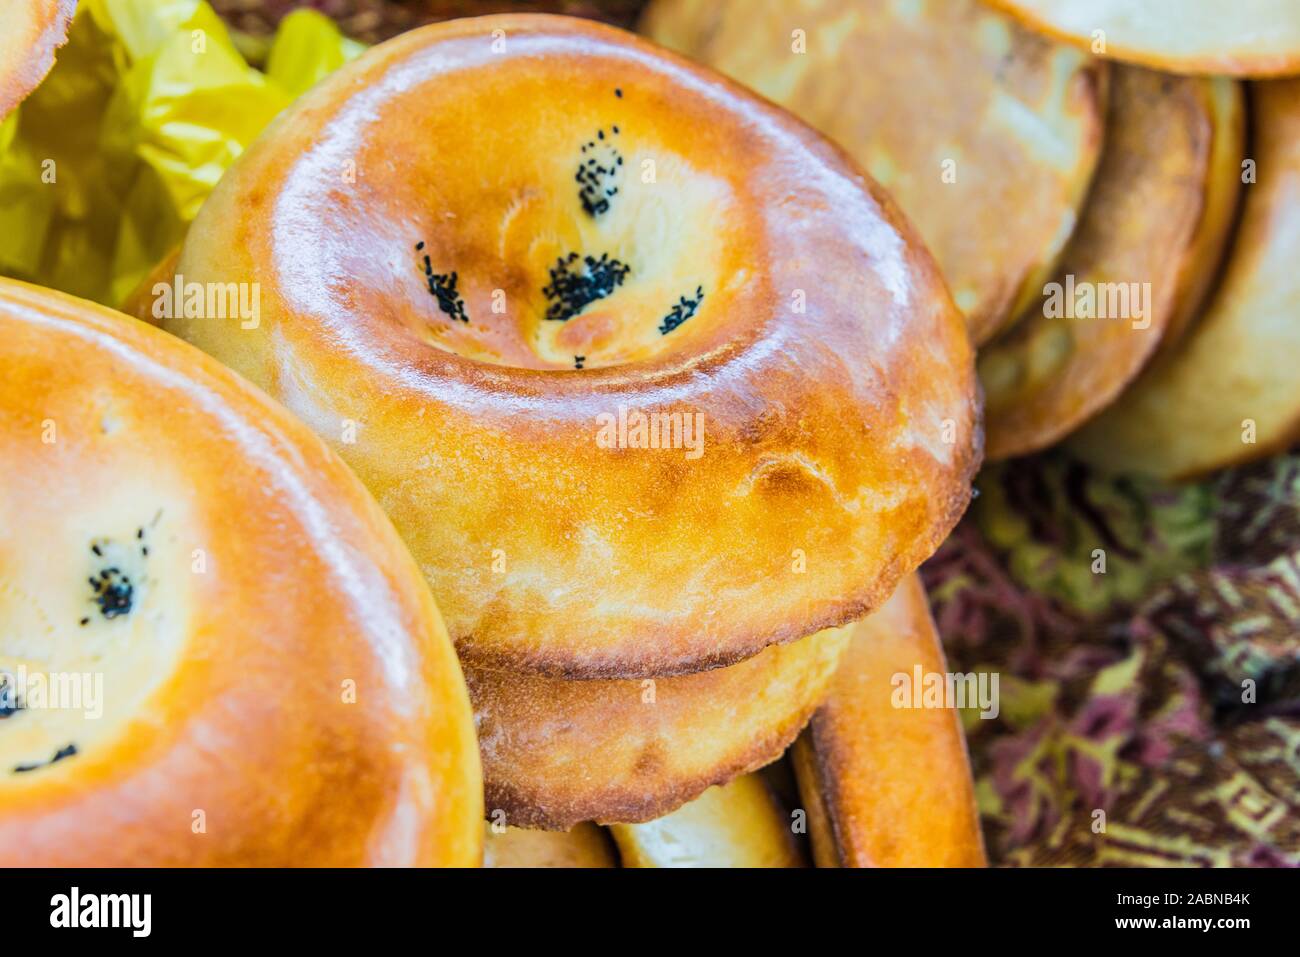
x: 647, y: 373
x: 215, y: 649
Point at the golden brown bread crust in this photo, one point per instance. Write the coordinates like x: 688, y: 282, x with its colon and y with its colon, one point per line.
x: 30, y: 32
x: 821, y: 836
x: 1226, y: 100
x: 831, y: 370
x: 1051, y: 373
x: 737, y: 824
x: 1188, y: 413
x: 891, y: 786
x: 558, y: 751
x: 1256, y: 39
x: 908, y: 88
x: 278, y: 686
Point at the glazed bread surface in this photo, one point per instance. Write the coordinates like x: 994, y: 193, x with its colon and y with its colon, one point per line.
x: 647, y: 374
x: 259, y: 675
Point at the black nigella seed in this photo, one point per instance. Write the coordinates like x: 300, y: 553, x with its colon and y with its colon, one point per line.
x: 9, y: 703
x: 442, y: 286
x: 59, y: 755
x: 113, y: 592
x: 572, y: 289
x: 683, y: 310
x: 593, y: 176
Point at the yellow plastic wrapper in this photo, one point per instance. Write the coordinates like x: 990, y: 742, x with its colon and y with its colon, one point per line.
x: 105, y: 165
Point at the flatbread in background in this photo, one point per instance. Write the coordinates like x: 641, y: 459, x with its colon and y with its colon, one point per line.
x: 1123, y: 276
x: 738, y: 824
x: 30, y: 32
x: 1230, y: 392
x: 1219, y: 213
x: 985, y: 133
x: 1245, y: 38
x: 888, y: 786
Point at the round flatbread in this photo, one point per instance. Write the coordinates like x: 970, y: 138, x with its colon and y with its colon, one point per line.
x: 1234, y: 37
x: 1123, y: 275
x: 986, y: 133
x: 1227, y: 102
x: 883, y: 785
x: 557, y: 751
x: 1229, y: 392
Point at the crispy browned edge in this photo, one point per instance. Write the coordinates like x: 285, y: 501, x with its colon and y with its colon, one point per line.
x: 821, y: 827
x: 631, y: 806
x: 1220, y: 214
x: 818, y: 776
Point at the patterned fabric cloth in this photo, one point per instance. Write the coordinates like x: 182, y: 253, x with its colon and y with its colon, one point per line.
x: 1148, y: 643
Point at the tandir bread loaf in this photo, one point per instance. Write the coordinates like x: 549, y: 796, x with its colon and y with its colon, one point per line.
x: 986, y: 133
x: 556, y: 752
x: 259, y: 673
x: 648, y: 375
x: 888, y: 786
x: 1248, y: 38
